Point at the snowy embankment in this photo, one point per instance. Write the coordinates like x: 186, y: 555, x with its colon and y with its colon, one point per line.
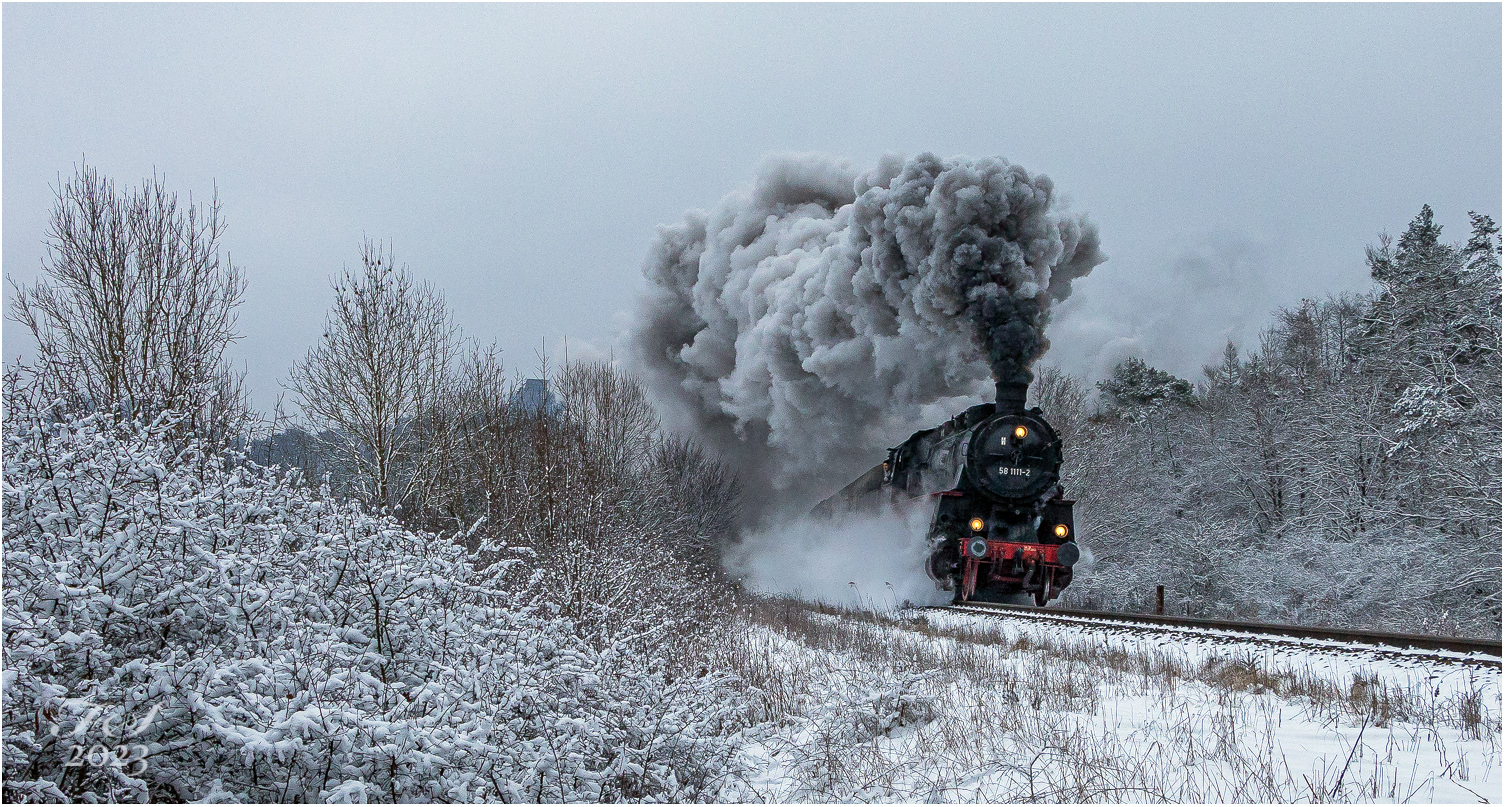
x: 1448, y: 672
x: 923, y: 706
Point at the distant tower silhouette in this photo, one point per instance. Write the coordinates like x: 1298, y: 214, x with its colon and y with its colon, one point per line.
x: 534, y: 396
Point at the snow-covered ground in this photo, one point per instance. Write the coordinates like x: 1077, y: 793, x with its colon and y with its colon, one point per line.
x: 1448, y: 672
x: 939, y: 705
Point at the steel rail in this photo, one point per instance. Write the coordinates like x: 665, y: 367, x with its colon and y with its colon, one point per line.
x: 1485, y: 646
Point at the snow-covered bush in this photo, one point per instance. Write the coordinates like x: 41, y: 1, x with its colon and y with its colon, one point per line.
x: 892, y: 705
x: 179, y: 627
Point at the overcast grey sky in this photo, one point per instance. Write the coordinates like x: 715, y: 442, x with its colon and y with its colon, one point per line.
x: 1235, y: 157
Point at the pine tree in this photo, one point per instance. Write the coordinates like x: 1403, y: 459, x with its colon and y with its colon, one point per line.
x: 1421, y: 244
x: 1135, y: 384
x: 1483, y: 248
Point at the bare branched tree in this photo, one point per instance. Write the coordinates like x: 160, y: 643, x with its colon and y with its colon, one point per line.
x: 1064, y: 399
x: 627, y: 522
x: 702, y: 498
x: 380, y: 367
x: 473, y: 447
x: 136, y: 307
x: 612, y: 413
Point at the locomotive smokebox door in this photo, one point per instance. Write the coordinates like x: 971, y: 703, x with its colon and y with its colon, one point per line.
x: 1056, y: 526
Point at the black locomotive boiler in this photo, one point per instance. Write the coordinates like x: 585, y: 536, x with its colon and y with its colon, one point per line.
x: 1001, y: 529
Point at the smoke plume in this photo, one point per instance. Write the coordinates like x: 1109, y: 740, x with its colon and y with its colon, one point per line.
x: 807, y: 324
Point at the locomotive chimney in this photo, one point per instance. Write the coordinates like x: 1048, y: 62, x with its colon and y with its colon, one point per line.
x: 1011, y: 392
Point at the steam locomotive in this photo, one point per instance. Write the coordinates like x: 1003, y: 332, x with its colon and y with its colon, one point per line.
x: 1000, y: 528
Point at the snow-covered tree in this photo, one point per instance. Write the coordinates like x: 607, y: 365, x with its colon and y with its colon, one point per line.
x: 1135, y: 385
x: 1325, y: 476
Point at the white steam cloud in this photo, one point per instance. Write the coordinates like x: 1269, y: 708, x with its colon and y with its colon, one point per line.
x: 871, y: 560
x: 806, y: 325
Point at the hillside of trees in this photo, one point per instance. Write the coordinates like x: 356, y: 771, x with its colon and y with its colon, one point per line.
x: 1345, y: 472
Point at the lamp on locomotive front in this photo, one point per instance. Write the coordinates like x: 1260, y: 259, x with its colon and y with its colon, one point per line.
x: 1062, y: 530
x: 1020, y: 432
x: 977, y: 525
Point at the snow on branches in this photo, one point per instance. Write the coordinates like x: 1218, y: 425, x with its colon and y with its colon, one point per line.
x: 183, y: 625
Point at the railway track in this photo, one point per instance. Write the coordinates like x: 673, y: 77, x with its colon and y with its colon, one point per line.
x: 1487, y: 647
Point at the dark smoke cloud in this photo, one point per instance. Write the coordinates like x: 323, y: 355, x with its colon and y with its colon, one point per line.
x: 804, y: 326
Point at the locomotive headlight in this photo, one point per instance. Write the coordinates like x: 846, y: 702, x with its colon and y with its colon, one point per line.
x: 1020, y: 432
x: 977, y: 525
x: 1062, y: 530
